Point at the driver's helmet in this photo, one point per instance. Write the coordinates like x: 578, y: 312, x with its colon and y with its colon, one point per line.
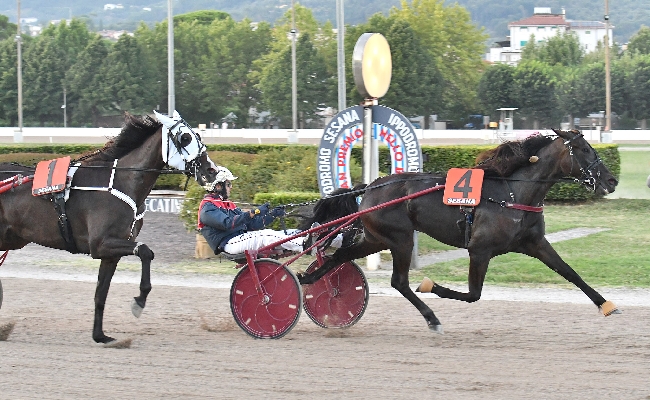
x: 223, y: 175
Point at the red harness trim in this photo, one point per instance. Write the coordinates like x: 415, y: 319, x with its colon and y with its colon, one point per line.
x: 524, y: 207
x: 14, y: 181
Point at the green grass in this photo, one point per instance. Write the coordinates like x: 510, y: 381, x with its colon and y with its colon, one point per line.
x: 635, y: 168
x: 618, y: 257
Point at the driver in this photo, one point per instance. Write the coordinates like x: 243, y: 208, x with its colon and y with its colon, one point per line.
x: 228, y: 228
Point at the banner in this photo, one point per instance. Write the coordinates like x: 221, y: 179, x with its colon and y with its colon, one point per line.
x: 390, y: 127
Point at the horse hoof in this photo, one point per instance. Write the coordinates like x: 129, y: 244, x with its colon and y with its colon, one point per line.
x: 136, y: 309
x: 608, y: 308
x: 426, y: 286
x: 5, y: 330
x: 118, y: 344
x: 437, y: 329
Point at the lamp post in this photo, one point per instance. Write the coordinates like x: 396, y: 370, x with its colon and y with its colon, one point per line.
x: 372, y: 69
x: 65, y: 108
x: 340, y: 55
x: 294, y: 73
x: 18, y: 134
x: 608, y: 80
x: 171, y: 96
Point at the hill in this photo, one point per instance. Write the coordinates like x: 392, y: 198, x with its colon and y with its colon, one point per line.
x: 627, y: 16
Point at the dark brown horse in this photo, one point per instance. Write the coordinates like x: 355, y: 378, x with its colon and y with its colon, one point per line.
x: 509, y: 217
x: 106, y: 201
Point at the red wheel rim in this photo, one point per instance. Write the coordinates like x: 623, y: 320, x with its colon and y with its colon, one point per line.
x: 274, y: 315
x: 339, y: 298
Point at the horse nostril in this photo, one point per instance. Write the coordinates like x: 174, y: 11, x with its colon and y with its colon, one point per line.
x: 612, y: 182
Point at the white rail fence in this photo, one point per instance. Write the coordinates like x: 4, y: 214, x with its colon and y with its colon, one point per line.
x: 81, y: 135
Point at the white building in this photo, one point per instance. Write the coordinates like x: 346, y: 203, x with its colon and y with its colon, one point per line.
x: 542, y: 26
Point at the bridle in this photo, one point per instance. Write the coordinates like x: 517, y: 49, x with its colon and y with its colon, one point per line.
x: 590, y: 174
x: 175, y: 135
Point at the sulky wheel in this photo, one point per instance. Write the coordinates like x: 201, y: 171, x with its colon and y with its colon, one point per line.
x: 339, y: 298
x: 273, y: 314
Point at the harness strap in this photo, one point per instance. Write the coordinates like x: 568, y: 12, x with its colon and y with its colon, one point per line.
x: 64, y: 224
x: 14, y: 181
x: 524, y: 207
x: 120, y: 195
x: 516, y: 206
x: 3, y: 257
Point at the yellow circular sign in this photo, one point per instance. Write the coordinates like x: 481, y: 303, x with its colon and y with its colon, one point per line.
x: 372, y: 65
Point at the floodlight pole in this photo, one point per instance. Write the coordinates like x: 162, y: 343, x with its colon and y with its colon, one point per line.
x: 340, y: 55
x: 608, y: 80
x: 65, y: 109
x: 171, y: 94
x: 294, y: 73
x: 18, y: 135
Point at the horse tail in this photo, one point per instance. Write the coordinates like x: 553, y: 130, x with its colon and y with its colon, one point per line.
x: 340, y: 203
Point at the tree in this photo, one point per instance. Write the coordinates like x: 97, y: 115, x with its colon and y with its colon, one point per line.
x: 640, y: 42
x: 563, y: 49
x: 315, y: 84
x: 201, y: 17
x: 495, y: 89
x: 416, y: 83
x: 45, y: 64
x: 534, y: 91
x: 126, y: 79
x: 567, y: 94
x: 455, y: 44
x: 43, y: 82
x: 639, y: 87
x: 312, y: 83
x: 229, y: 68
x: 7, y: 29
x: 8, y: 83
x: 85, y: 82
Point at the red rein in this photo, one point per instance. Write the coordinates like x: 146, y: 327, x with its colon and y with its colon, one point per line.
x: 14, y: 181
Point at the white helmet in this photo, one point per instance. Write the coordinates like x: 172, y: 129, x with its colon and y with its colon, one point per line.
x: 223, y: 174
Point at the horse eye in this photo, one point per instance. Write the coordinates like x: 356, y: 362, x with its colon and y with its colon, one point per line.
x: 186, y: 139
x: 585, y: 149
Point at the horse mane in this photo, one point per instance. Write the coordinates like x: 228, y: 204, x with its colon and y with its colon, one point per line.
x: 336, y: 205
x: 133, y: 134
x: 508, y: 157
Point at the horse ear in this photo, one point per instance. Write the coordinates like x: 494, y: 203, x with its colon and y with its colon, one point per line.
x: 561, y: 133
x: 165, y: 120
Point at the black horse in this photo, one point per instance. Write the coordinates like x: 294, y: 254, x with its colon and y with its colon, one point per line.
x: 509, y: 217
x: 106, y: 201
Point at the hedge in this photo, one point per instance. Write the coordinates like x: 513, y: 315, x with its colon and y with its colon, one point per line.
x: 436, y: 159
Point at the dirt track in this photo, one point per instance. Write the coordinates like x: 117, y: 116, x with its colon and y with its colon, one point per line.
x: 186, y: 345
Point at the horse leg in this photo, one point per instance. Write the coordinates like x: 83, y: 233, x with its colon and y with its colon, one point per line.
x: 400, y: 281
x: 106, y: 252
x: 544, y: 252
x: 146, y: 255
x: 478, y: 265
x: 106, y: 271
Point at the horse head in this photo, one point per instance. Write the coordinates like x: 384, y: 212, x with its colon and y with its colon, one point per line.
x: 183, y: 149
x: 584, y: 164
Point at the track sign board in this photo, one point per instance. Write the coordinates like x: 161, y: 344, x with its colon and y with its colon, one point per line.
x: 389, y: 127
x: 463, y: 187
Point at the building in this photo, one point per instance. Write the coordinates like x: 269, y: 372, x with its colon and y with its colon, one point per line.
x: 543, y: 25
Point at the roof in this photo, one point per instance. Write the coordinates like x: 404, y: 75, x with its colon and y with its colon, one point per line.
x: 586, y: 24
x: 541, y: 19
